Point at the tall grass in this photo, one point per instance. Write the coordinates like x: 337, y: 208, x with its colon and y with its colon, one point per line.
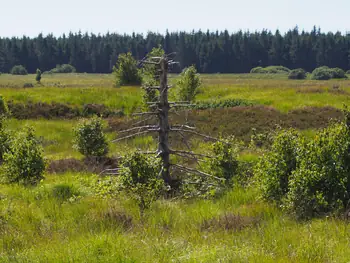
x: 36, y: 226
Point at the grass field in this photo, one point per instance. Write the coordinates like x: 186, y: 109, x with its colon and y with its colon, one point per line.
x: 38, y: 224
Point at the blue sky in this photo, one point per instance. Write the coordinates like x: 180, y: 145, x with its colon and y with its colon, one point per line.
x: 41, y: 16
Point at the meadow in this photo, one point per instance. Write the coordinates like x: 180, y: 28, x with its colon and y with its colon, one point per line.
x: 44, y: 224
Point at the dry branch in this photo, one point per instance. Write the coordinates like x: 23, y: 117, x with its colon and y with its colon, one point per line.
x: 132, y: 135
x: 144, y: 113
x: 190, y: 153
x: 139, y: 128
x: 192, y: 170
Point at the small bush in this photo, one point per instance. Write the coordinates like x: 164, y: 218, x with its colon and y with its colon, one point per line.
x: 270, y: 70
x: 140, y: 177
x: 126, y: 71
x: 90, y: 139
x: 275, y: 168
x: 19, y: 70
x: 297, y: 74
x: 224, y: 164
x: 24, y: 162
x: 348, y: 72
x: 222, y: 170
x: 38, y: 75
x: 65, y: 68
x: 188, y: 84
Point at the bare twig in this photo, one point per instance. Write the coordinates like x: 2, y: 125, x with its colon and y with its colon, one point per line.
x: 114, y: 171
x: 144, y: 113
x: 139, y: 128
x: 144, y: 120
x: 132, y: 135
x: 191, y: 170
x: 189, y: 156
x: 190, y: 153
x: 183, y: 126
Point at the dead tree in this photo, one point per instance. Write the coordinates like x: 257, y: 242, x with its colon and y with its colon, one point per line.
x: 161, y: 110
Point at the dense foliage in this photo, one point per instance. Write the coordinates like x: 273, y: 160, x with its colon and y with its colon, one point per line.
x: 126, y: 71
x: 150, y: 78
x: 325, y: 73
x: 298, y: 73
x: 308, y: 177
x: 4, y: 110
x: 18, y: 70
x: 275, y: 168
x: 224, y: 164
x: 38, y: 75
x: 24, y: 161
x: 188, y: 84
x: 90, y: 139
x: 210, y: 52
x: 140, y: 177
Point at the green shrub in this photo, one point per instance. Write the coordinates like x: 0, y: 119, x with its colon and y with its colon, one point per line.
x: 348, y: 72
x: 24, y: 162
x: 19, y: 70
x: 224, y: 164
x: 64, y: 68
x: 38, y: 75
x: 150, y: 78
x: 5, y: 140
x: 321, y: 184
x: 297, y: 74
x: 275, y: 168
x: 90, y: 139
x: 326, y: 73
x: 4, y: 110
x: 140, y: 177
x: 221, y: 171
x: 257, y: 70
x: 338, y: 73
x: 126, y: 71
x: 270, y: 70
x: 188, y: 84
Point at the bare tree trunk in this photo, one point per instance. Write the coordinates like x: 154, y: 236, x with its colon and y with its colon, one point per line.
x: 163, y: 108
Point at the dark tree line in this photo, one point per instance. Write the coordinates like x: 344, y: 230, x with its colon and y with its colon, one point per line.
x: 210, y: 52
